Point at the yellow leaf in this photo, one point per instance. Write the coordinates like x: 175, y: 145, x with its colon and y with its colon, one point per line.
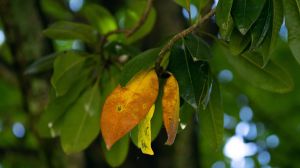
x: 171, y: 105
x: 126, y: 106
x: 144, y: 135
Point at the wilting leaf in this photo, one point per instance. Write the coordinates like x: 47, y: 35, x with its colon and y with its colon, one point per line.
x: 118, y: 153
x: 198, y: 48
x: 292, y: 16
x: 71, y: 31
x: 81, y: 123
x: 140, y: 62
x: 171, y: 107
x: 224, y: 19
x: 126, y: 106
x: 245, y: 13
x: 144, y: 135
x: 211, y: 119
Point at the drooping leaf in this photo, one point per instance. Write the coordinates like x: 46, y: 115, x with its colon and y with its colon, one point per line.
x: 126, y: 106
x: 198, y: 48
x: 118, y: 153
x: 49, y: 125
x: 56, y: 10
x: 261, y: 26
x: 67, y: 66
x: 64, y: 30
x: 191, y: 76
x: 239, y: 43
x: 246, y: 12
x: 99, y: 17
x: 272, y: 77
x: 144, y: 133
x: 292, y: 19
x: 140, y: 62
x: 211, y: 119
x: 156, y: 121
x: 171, y: 107
x: 81, y: 123
x: 41, y: 65
x: 224, y: 19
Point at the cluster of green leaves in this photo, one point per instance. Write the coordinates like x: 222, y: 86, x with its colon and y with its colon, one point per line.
x: 250, y: 29
x: 83, y: 78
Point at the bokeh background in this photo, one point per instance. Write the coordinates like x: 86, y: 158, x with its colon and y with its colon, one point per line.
x: 261, y: 128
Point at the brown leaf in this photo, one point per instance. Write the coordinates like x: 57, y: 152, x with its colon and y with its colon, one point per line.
x: 171, y: 105
x: 126, y: 106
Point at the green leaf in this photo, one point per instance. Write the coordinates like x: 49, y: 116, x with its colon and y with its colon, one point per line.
x: 49, y: 125
x: 239, y: 43
x: 198, y: 48
x: 191, y: 76
x: 64, y: 30
x: 271, y: 77
x: 81, y: 123
x: 140, y: 62
x: 99, y: 17
x: 118, y: 153
x: 246, y: 12
x: 292, y: 19
x: 186, y: 115
x: 224, y: 19
x: 269, y: 44
x: 41, y: 65
x: 66, y: 68
x: 211, y: 119
x: 156, y: 121
x: 261, y: 26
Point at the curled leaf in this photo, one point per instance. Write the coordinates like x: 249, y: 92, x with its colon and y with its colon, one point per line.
x: 144, y: 135
x: 171, y: 106
x: 126, y: 106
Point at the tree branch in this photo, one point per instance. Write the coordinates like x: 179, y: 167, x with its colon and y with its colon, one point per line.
x: 142, y: 19
x: 179, y: 36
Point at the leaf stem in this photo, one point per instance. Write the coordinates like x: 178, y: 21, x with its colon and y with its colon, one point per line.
x: 179, y: 36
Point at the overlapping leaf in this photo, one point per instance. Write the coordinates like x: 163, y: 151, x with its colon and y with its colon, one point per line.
x: 144, y: 134
x: 191, y: 76
x: 81, y: 123
x: 246, y: 12
x: 140, y: 62
x: 126, y: 106
x: 71, y: 31
x: 66, y: 69
x: 224, y: 19
x: 211, y: 119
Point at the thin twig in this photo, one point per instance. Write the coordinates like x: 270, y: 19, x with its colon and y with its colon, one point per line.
x: 142, y: 19
x: 179, y: 36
